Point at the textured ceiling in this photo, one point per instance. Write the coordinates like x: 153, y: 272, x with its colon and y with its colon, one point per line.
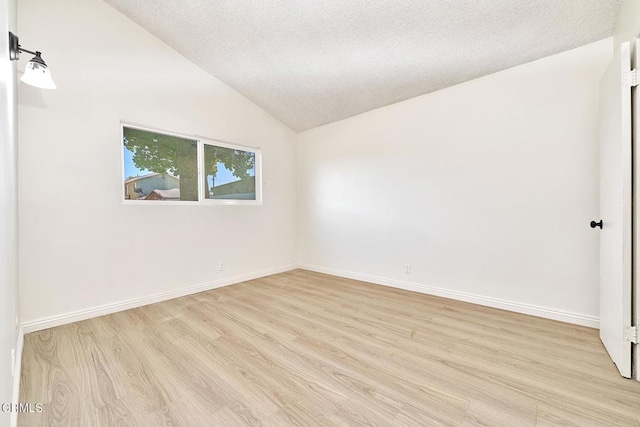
x: 311, y: 62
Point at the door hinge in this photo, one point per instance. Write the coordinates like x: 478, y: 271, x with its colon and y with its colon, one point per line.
x: 631, y: 78
x: 631, y: 334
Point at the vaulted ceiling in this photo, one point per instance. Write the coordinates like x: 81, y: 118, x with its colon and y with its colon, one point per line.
x: 311, y: 62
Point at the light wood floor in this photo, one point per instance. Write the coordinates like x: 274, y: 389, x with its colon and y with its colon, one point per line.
x: 302, y: 348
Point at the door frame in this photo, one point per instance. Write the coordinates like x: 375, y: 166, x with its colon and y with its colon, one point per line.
x: 635, y: 281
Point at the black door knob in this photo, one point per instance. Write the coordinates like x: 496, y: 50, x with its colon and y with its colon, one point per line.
x: 596, y: 224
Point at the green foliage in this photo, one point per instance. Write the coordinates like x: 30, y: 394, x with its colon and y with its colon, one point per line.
x: 237, y: 161
x: 156, y: 152
x: 169, y: 154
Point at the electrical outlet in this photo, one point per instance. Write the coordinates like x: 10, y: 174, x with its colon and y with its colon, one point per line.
x: 407, y: 268
x: 221, y: 266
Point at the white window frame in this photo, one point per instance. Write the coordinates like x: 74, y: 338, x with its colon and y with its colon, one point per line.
x: 201, y: 142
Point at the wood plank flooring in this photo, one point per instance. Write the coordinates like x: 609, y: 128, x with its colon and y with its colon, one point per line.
x: 306, y: 349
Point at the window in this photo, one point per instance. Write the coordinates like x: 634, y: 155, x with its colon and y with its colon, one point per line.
x: 164, y: 167
x: 229, y: 173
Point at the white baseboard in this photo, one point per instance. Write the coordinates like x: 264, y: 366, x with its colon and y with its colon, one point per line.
x: 76, y: 316
x: 547, y: 313
x: 17, y: 368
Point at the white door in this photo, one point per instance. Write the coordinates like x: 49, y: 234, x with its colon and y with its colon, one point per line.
x: 615, y: 209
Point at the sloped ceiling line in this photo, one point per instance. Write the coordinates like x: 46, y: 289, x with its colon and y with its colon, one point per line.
x: 313, y: 62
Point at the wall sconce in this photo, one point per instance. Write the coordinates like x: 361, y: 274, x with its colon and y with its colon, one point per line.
x: 36, y: 72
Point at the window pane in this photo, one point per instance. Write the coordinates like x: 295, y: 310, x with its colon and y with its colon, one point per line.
x: 229, y: 173
x: 159, y: 167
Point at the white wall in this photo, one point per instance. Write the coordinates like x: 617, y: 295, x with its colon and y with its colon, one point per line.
x: 8, y: 208
x: 485, y: 188
x: 81, y: 247
x: 628, y: 22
